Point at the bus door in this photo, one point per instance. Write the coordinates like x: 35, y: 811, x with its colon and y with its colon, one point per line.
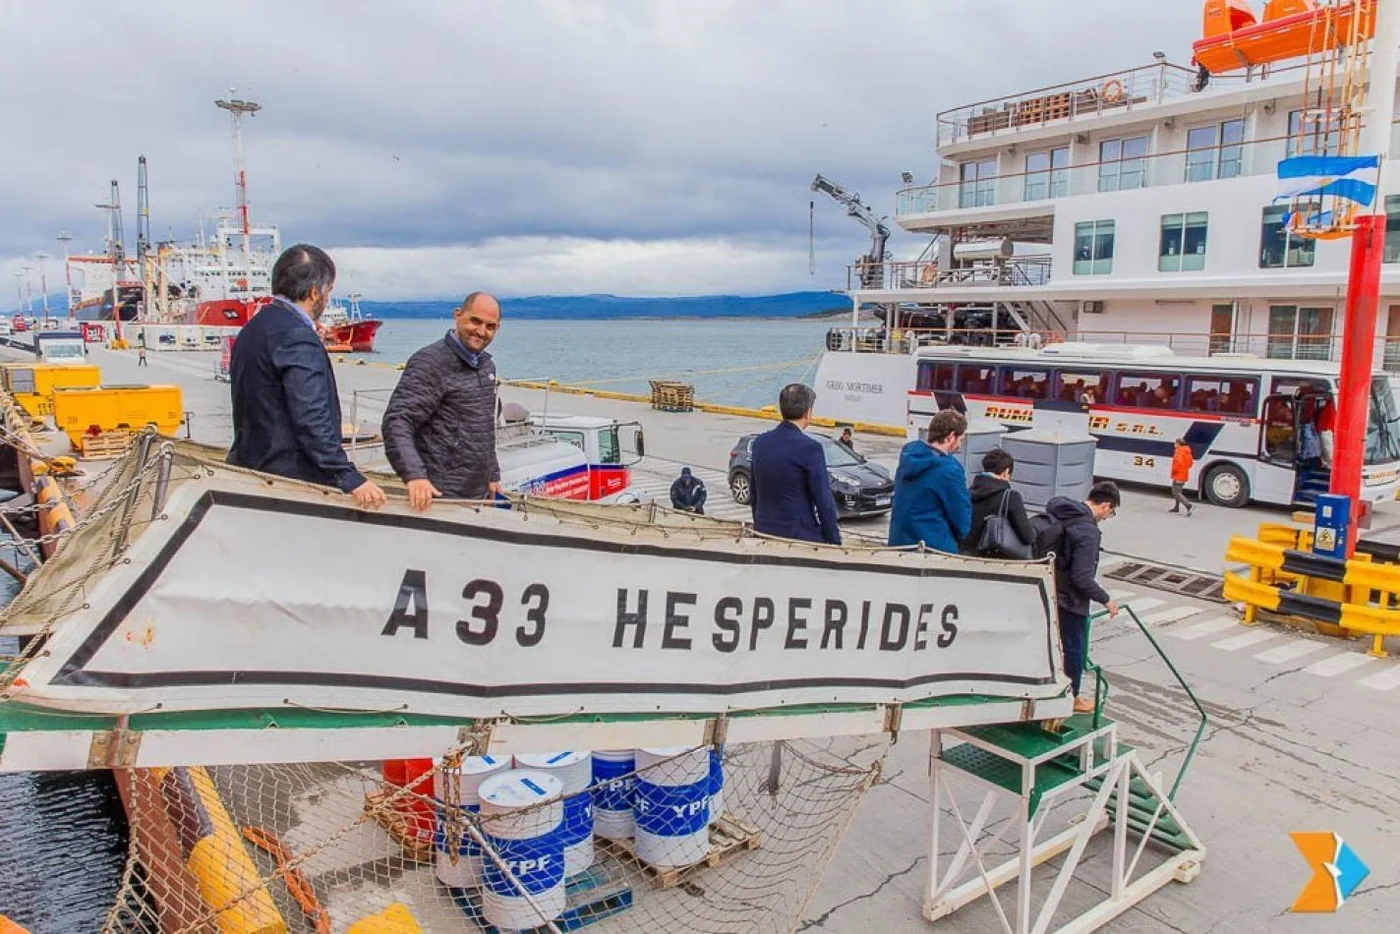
x: 1289, y: 446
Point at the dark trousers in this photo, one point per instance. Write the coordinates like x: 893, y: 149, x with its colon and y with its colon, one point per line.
x: 1074, y: 635
x: 1179, y: 496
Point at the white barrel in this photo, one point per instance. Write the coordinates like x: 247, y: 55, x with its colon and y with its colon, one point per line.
x: 522, y: 813
x: 613, y: 786
x: 458, y: 857
x: 672, y: 805
x: 716, y: 783
x: 575, y: 771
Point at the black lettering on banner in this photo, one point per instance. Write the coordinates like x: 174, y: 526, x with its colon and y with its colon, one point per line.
x: 864, y: 623
x: 797, y: 624
x: 763, y: 614
x: 625, y: 619
x: 413, y: 590
x: 949, y: 624
x: 887, y: 641
x: 488, y: 613
x: 835, y: 622
x: 727, y: 639
x: 535, y: 614
x: 921, y: 627
x: 674, y: 620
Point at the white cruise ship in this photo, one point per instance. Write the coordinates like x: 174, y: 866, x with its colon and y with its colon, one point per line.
x: 1141, y: 206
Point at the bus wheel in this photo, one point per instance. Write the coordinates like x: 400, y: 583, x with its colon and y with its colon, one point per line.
x: 1226, y: 485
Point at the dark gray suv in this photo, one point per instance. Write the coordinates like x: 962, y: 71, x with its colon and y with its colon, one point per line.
x: 860, y: 487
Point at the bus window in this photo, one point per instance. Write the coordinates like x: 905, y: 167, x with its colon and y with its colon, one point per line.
x: 943, y: 377
x: 1082, y: 388
x: 1149, y: 390
x: 1226, y: 395
x: 1025, y: 384
x: 978, y: 380
x: 925, y: 383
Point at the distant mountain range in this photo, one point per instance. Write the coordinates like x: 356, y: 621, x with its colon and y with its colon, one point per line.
x: 596, y: 307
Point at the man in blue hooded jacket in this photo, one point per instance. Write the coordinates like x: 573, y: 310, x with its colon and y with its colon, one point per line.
x: 931, y: 502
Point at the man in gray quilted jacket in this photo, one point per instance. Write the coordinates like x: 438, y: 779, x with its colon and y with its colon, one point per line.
x: 440, y: 426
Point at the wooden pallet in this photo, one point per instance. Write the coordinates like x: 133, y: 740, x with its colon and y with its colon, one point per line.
x: 669, y: 396
x: 403, y: 830
x: 108, y: 444
x: 599, y: 892
x: 729, y: 836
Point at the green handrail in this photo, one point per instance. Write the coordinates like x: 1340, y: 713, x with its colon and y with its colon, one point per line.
x: 1101, y: 689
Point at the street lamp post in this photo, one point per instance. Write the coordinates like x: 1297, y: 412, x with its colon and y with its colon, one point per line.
x: 43, y: 285
x: 65, y: 238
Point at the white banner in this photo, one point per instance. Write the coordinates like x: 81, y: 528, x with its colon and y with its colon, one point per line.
x: 242, y: 600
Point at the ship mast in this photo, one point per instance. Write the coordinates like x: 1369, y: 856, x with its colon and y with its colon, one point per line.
x: 237, y: 108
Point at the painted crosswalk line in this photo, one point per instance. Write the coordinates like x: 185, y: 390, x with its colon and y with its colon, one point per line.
x: 1169, y: 615
x: 1384, y: 680
x: 1204, y: 628
x: 1145, y: 604
x: 1339, y: 664
x: 1289, y: 651
x: 1245, y: 639
x: 1122, y: 595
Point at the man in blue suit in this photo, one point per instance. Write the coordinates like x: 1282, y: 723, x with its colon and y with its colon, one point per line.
x: 790, y: 490
x: 286, y: 412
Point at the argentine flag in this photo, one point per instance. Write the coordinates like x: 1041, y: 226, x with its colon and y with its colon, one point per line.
x: 1351, y: 177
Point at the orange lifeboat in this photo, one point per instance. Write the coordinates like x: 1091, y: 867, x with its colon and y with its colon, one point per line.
x: 1232, y: 38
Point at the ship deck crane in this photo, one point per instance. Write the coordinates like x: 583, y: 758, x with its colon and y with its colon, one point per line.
x: 871, y: 269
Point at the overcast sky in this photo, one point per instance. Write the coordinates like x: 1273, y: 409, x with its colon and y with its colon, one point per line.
x: 639, y: 147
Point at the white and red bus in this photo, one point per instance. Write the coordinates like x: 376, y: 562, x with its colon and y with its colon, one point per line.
x: 1248, y: 420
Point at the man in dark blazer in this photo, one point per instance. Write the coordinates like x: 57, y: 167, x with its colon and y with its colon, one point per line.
x: 286, y: 412
x: 790, y: 489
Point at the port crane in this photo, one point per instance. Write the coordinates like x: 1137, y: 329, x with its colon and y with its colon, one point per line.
x: 870, y: 265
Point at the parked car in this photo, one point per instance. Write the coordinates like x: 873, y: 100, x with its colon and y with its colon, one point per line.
x: 860, y: 487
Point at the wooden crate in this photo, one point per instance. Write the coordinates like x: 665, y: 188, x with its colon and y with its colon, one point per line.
x: 669, y: 396
x: 106, y: 445
x: 729, y: 836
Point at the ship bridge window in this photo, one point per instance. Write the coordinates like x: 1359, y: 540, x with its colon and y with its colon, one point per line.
x: 1122, y: 164
x: 1214, y: 151
x: 1082, y: 387
x: 1278, y: 248
x: 1047, y: 174
x: 1222, y: 394
x: 1149, y: 390
x: 1392, y: 229
x: 978, y: 186
x: 978, y: 380
x: 1183, y: 245
x: 1093, y: 248
x: 1025, y: 384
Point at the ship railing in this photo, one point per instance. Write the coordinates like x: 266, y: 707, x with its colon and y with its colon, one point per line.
x: 1150, y: 170
x: 1088, y: 98
x: 1026, y: 271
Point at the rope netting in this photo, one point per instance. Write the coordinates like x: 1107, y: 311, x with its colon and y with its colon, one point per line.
x: 714, y: 839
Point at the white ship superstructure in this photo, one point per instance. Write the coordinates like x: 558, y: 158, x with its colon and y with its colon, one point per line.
x: 1141, y: 204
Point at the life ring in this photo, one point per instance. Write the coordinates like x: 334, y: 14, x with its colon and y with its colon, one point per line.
x: 928, y: 274
x: 1112, y: 91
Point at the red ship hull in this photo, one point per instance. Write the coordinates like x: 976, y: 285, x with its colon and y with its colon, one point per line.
x: 357, y: 335
x: 228, y: 312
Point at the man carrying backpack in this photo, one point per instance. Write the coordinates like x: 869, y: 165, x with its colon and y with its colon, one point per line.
x: 1071, y: 531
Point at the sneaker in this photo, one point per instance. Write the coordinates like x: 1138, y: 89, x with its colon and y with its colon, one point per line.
x: 1174, y: 509
x: 1189, y: 510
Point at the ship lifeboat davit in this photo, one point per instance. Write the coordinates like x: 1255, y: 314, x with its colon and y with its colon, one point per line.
x: 1233, y: 38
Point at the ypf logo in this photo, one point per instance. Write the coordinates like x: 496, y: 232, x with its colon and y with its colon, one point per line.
x: 1337, y: 870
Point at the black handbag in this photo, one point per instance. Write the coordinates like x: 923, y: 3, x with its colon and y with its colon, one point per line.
x: 999, y: 538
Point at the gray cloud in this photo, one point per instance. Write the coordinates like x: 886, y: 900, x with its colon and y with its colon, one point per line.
x: 402, y: 127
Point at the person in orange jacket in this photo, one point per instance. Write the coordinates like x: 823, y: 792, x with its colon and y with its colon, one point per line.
x: 1182, y: 459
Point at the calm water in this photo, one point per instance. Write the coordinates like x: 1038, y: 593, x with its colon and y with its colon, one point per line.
x: 758, y: 357
x: 63, y: 836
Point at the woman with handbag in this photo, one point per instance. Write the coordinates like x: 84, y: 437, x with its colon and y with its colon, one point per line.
x: 1000, y: 526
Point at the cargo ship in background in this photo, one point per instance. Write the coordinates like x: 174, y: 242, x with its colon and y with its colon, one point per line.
x: 219, y: 280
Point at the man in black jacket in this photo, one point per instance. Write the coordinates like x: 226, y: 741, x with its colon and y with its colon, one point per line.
x: 286, y: 412
x: 440, y: 425
x: 1076, y: 564
x: 989, y: 490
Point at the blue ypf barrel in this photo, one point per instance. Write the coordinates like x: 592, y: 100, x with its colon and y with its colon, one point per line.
x: 716, y: 783
x: 458, y: 859
x: 575, y: 772
x: 522, y: 813
x: 612, y: 793
x: 672, y: 805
